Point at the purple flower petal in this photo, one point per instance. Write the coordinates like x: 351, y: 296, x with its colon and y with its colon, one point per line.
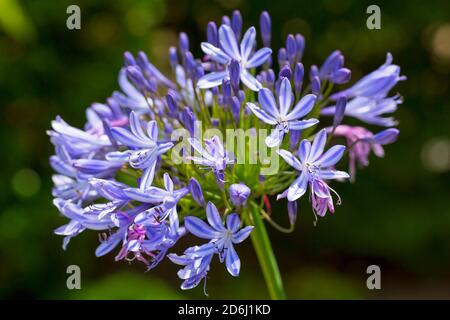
x: 168, y: 183
x: 298, y: 187
x: 200, y: 229
x: 109, y: 244
x: 212, y: 79
x: 261, y: 114
x: 303, y: 107
x: 247, y: 43
x: 302, y: 124
x: 290, y: 159
x: 232, y: 261
x: 242, y: 234
x: 233, y: 222
x: 268, y: 103
x: 318, y: 145
x: 285, y: 96
x: 304, y: 150
x: 250, y: 81
x: 331, y: 157
x: 214, y: 218
x: 386, y: 136
x: 275, y: 138
x: 332, y: 174
x: 228, y: 42
x: 215, y: 53
x: 258, y: 58
x: 147, y: 177
x: 127, y: 138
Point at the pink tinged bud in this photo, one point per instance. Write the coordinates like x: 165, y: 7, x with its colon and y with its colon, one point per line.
x: 321, y: 198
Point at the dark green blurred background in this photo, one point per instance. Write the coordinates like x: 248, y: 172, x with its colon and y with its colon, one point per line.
x: 396, y: 215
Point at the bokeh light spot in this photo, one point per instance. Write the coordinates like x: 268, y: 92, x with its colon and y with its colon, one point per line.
x: 26, y: 183
x: 440, y: 42
x: 436, y: 155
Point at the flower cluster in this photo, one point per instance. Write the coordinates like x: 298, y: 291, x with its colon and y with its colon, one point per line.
x: 119, y: 175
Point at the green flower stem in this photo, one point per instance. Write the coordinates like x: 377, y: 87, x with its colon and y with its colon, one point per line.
x: 265, y: 254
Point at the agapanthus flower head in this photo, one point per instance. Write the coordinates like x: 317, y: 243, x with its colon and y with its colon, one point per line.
x: 149, y: 161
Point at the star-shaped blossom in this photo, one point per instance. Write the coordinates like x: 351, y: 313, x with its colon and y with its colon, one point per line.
x: 212, y: 156
x: 315, y: 166
x: 376, y: 84
x: 165, y: 200
x: 222, y: 239
x: 144, y: 147
x: 228, y: 51
x: 280, y: 115
x: 370, y: 110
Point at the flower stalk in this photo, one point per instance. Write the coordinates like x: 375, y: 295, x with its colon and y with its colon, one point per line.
x: 264, y: 252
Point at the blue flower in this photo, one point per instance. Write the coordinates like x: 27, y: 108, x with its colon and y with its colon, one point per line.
x: 369, y: 110
x: 165, y: 199
x: 279, y: 116
x: 196, y: 261
x: 222, y: 239
x: 230, y: 50
x: 376, y: 84
x: 213, y: 156
x: 144, y: 145
x: 130, y: 97
x: 76, y: 141
x: 152, y: 239
x: 68, y: 183
x: 80, y: 219
x: 315, y: 167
